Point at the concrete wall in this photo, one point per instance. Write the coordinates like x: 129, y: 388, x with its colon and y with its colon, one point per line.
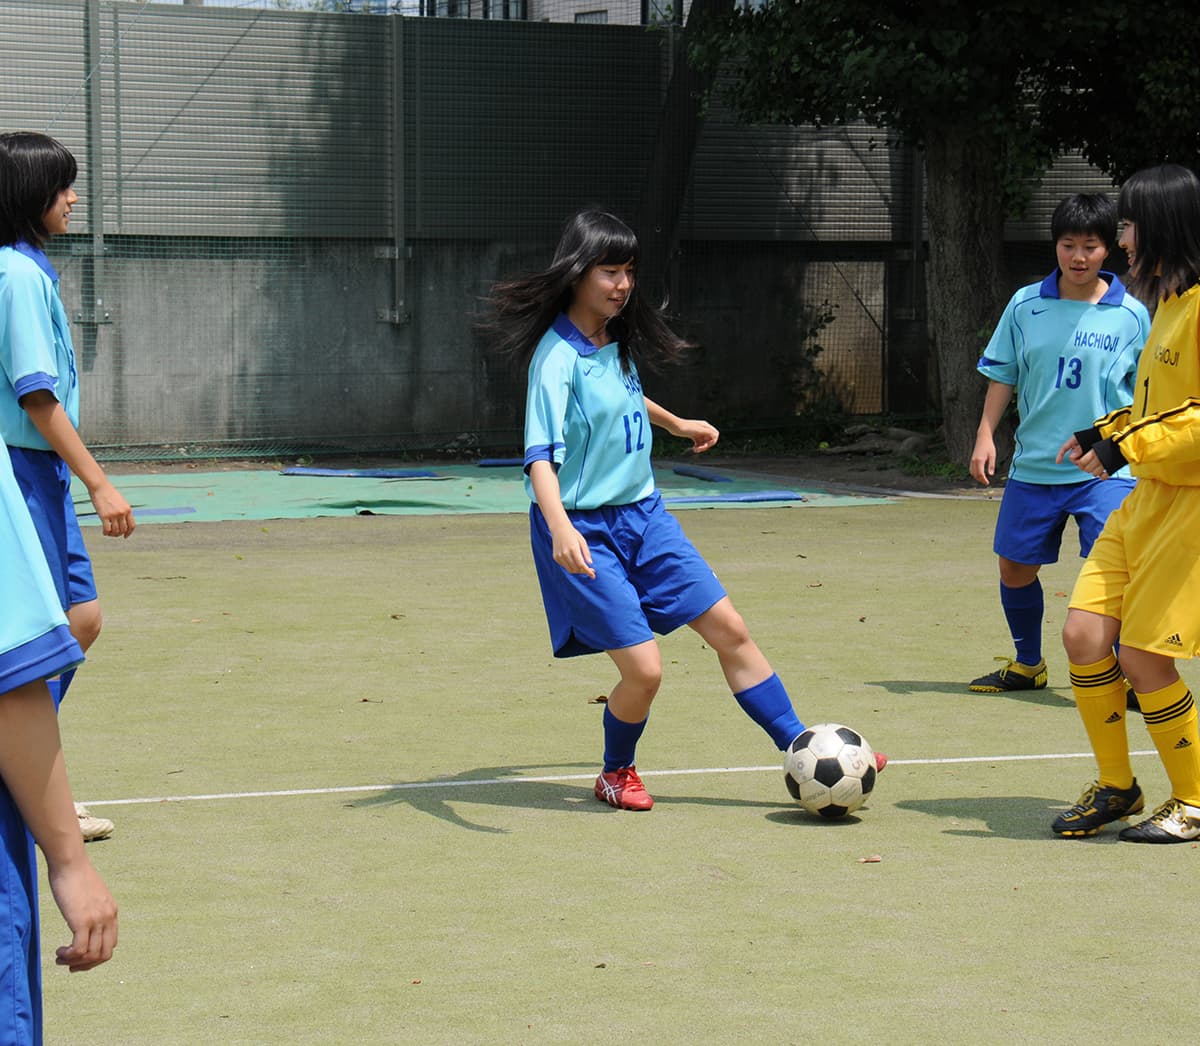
x: 282, y: 346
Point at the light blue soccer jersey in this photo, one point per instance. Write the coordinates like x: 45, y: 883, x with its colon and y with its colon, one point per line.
x: 35, y: 343
x: 1071, y: 362
x: 587, y: 416
x: 35, y: 641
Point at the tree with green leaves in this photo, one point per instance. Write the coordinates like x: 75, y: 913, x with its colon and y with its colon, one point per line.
x: 990, y: 93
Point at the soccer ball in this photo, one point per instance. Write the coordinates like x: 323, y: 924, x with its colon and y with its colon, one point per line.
x: 829, y: 770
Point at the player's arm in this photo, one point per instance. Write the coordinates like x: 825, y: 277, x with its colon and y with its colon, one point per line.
x: 571, y: 551
x: 1169, y: 435
x: 983, y: 456
x: 1113, y: 442
x: 35, y: 773
x: 51, y: 421
x: 703, y: 435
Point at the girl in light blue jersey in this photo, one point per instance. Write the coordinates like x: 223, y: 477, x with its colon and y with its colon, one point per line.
x: 1066, y: 350
x: 39, y: 387
x: 614, y: 566
x: 35, y: 795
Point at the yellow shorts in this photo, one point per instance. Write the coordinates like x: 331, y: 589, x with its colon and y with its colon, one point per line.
x: 1144, y: 570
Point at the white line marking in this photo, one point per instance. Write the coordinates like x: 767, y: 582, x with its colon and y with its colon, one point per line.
x: 413, y: 786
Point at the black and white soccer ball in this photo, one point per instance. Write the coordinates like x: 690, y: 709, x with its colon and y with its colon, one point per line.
x: 829, y: 770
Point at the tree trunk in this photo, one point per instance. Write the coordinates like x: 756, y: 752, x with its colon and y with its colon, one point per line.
x: 670, y: 168
x: 967, y: 283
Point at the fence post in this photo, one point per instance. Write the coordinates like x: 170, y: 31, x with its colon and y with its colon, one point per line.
x: 92, y: 309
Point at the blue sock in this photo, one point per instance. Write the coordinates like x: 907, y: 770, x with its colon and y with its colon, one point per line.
x: 620, y: 741
x: 1024, y: 609
x: 768, y: 704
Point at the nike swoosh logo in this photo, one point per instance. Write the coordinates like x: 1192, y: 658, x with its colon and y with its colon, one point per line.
x: 1038, y: 312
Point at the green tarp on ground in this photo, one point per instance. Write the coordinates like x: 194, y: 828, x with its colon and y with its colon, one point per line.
x: 173, y: 497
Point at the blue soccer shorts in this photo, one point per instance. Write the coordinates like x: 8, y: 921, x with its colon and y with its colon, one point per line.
x: 649, y: 578
x: 1032, y: 517
x: 45, y: 483
x: 20, y: 961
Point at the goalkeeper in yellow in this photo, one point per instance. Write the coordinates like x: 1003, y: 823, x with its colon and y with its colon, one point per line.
x: 1141, y: 580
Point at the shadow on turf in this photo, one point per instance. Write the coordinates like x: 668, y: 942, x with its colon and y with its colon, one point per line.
x: 489, y: 786
x: 1048, y: 698
x: 793, y: 816
x: 1025, y: 817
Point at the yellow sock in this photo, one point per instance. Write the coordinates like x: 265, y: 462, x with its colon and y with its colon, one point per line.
x: 1100, y: 697
x: 1171, y: 719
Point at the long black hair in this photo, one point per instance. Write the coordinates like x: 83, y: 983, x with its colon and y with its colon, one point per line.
x: 519, y: 311
x: 1164, y: 205
x: 34, y: 169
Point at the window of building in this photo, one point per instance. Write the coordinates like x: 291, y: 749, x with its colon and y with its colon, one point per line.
x: 662, y: 12
x: 505, y: 10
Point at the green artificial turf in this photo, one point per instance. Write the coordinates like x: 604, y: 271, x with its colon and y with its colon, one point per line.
x: 334, y: 687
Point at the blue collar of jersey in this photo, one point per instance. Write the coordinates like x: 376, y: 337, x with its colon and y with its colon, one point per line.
x: 39, y: 258
x: 573, y: 336
x: 1113, y: 296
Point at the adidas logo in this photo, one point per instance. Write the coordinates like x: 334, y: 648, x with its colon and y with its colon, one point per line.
x: 1114, y: 718
x: 1173, y: 640
x: 1183, y: 743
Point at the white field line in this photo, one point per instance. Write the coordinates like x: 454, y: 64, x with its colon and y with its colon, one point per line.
x: 451, y: 783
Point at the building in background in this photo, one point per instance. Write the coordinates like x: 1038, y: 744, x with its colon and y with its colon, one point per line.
x: 287, y: 219
x: 599, y: 12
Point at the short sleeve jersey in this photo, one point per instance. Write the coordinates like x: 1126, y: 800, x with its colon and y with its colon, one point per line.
x: 35, y: 640
x: 587, y: 416
x: 1071, y: 361
x: 35, y: 343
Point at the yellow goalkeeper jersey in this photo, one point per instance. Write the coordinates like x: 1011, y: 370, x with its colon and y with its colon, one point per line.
x: 1159, y: 433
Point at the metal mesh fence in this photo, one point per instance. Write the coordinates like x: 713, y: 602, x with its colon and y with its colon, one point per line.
x: 287, y: 218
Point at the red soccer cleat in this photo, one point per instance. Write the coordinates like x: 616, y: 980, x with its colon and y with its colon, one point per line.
x: 623, y: 789
x: 880, y: 762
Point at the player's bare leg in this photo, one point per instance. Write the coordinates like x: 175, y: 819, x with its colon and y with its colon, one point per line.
x: 641, y: 676
x: 724, y: 629
x: 1017, y: 575
x: 85, y: 621
x: 1088, y: 637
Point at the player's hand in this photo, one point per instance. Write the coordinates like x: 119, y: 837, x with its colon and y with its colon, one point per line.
x: 1069, y: 451
x: 1092, y: 465
x: 91, y: 915
x: 571, y: 552
x: 983, y: 459
x: 116, y: 515
x: 703, y: 435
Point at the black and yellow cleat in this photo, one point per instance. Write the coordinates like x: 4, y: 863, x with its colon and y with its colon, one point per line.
x: 1173, y: 822
x: 1096, y: 808
x: 1013, y: 676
